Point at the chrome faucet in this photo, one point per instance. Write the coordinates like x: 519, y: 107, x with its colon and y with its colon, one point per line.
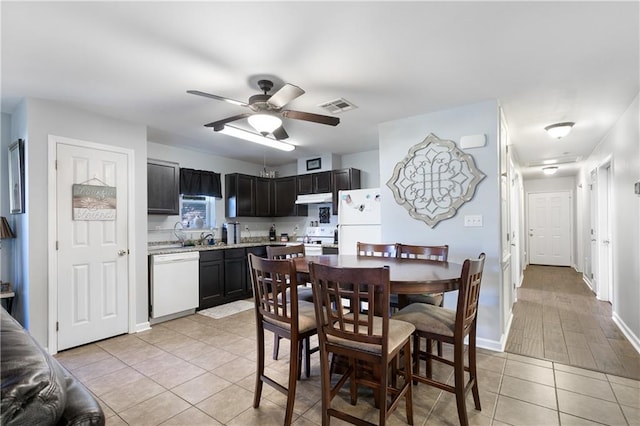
x: 204, y: 236
x: 179, y: 232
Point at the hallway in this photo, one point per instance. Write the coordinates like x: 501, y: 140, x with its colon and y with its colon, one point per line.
x: 558, y: 318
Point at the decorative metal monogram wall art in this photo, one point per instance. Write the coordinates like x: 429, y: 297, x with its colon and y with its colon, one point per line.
x: 434, y: 180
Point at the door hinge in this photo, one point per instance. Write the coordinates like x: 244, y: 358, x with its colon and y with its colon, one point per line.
x: 55, y: 164
x: 57, y: 326
x: 56, y: 245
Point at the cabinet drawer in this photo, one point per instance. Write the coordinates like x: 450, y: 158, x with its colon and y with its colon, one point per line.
x: 211, y: 255
x: 234, y: 253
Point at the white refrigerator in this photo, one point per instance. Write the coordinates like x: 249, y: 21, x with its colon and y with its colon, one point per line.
x: 359, y: 217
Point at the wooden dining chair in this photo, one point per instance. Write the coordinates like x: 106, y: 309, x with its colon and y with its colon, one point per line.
x: 436, y: 253
x: 360, y: 337
x: 304, y: 294
x: 447, y: 326
x: 285, y: 316
x: 371, y: 249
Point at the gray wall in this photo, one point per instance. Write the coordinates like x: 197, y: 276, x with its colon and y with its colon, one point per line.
x: 396, y: 138
x: 622, y: 146
x: 34, y: 120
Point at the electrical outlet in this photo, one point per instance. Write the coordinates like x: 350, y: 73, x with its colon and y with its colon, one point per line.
x: 296, y: 228
x: 474, y: 220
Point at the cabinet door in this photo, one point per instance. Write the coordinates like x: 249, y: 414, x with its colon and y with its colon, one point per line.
x: 305, y: 184
x: 260, y: 251
x: 240, y: 195
x: 322, y: 182
x: 246, y: 195
x: 344, y: 179
x: 211, y: 279
x: 234, y: 273
x: 285, y: 197
x: 264, y: 197
x: 163, y: 187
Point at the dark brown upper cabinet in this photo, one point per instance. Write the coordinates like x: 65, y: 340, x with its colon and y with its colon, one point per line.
x: 240, y: 195
x: 344, y: 179
x: 314, y: 183
x: 163, y: 187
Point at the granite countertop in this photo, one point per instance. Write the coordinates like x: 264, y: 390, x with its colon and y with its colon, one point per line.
x: 174, y: 247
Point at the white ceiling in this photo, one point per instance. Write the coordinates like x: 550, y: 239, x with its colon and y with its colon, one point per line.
x: 545, y: 62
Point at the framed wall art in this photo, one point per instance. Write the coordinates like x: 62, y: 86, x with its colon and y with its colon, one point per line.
x: 16, y: 177
x: 314, y: 164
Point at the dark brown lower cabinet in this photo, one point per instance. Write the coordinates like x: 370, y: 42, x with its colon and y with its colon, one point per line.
x: 260, y: 251
x: 235, y: 276
x: 211, y: 278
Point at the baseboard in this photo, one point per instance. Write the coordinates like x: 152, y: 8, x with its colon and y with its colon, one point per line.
x: 143, y: 326
x: 633, y: 339
x: 492, y: 345
x: 587, y: 282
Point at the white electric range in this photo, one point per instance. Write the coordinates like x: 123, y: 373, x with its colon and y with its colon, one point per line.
x: 314, y: 237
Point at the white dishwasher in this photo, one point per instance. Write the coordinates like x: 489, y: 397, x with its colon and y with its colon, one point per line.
x: 174, y: 283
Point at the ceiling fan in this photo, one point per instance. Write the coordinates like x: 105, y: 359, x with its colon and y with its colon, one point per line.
x: 267, y: 110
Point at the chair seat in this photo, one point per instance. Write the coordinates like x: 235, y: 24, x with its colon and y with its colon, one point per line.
x: 306, y: 317
x: 428, y: 318
x: 430, y: 299
x: 399, y: 331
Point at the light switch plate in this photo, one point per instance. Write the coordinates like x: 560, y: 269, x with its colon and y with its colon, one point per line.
x: 473, y: 220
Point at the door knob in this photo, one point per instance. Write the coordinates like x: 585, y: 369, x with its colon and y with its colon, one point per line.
x: 123, y: 252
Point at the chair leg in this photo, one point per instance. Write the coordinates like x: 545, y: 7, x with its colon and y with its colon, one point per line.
x: 307, y: 357
x: 458, y: 373
x: 294, y: 371
x: 276, y: 346
x: 416, y: 356
x: 439, y: 349
x: 260, y: 367
x: 428, y: 364
x: 300, y: 345
x: 407, y: 379
x: 472, y: 370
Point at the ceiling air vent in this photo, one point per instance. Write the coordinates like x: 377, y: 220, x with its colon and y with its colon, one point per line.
x: 338, y: 105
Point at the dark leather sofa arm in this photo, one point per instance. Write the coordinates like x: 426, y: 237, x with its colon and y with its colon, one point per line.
x: 35, y: 388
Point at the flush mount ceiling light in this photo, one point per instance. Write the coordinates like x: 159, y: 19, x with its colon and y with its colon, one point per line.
x: 559, y: 130
x: 549, y: 170
x: 264, y: 123
x: 252, y: 137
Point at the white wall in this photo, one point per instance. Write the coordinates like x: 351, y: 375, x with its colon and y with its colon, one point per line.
x: 622, y: 146
x: 34, y: 120
x: 368, y: 163
x: 396, y: 138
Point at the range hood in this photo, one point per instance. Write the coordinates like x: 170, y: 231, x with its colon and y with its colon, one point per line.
x: 326, y: 197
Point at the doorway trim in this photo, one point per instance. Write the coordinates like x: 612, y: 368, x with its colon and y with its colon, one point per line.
x: 604, y: 225
x: 52, y: 340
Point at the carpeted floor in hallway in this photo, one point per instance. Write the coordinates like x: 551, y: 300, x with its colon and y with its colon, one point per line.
x: 558, y: 318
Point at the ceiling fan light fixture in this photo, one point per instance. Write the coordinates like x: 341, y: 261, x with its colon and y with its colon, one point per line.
x: 264, y: 123
x: 252, y: 137
x: 549, y: 170
x: 559, y: 130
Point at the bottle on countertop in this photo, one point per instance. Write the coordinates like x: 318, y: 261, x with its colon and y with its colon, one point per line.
x: 335, y: 236
x: 272, y: 233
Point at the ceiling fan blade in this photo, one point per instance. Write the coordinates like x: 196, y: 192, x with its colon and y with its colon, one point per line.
x: 308, y: 116
x: 219, y: 98
x: 286, y: 94
x: 280, y: 133
x: 227, y: 120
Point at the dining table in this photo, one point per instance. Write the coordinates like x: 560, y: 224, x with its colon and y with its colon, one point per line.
x: 406, y: 276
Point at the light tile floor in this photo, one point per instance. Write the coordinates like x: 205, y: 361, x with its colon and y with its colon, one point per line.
x: 198, y: 370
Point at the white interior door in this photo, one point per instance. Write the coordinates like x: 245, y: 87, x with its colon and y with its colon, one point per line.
x: 593, y: 218
x: 603, y: 239
x: 92, y: 261
x: 550, y: 228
